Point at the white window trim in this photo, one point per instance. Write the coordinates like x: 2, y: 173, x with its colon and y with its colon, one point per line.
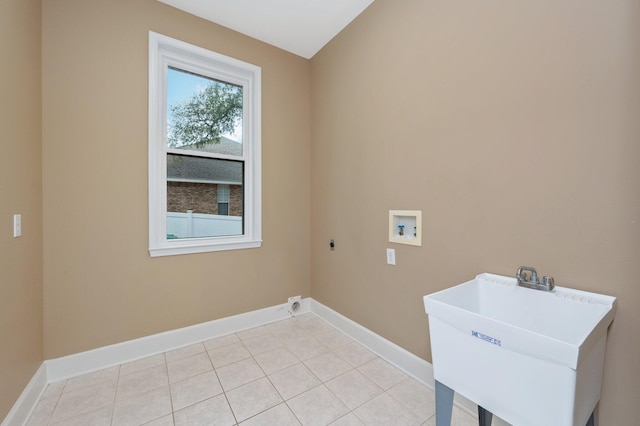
x: 164, y: 51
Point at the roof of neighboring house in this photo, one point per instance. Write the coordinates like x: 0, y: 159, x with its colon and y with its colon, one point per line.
x: 225, y: 146
x: 207, y: 170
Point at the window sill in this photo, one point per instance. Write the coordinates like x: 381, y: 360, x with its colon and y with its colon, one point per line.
x: 190, y: 246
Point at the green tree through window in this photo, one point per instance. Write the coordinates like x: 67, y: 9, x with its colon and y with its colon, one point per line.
x: 205, y: 116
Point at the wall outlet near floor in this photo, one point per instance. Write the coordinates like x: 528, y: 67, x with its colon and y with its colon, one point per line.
x: 294, y: 304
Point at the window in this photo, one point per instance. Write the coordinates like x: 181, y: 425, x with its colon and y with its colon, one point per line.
x: 223, y: 199
x: 204, y: 150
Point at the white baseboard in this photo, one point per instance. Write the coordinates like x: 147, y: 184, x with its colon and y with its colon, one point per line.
x: 120, y: 353
x: 414, y: 366
x: 24, y: 406
x: 57, y: 369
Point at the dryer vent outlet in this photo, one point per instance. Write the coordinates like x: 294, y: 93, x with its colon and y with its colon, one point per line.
x: 294, y: 305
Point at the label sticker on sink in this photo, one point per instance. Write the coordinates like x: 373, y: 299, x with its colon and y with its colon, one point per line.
x: 486, y: 338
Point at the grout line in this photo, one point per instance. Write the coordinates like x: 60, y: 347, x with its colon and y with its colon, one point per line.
x: 302, y: 322
x: 166, y: 367
x: 115, y: 395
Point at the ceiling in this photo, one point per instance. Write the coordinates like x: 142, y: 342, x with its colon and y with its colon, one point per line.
x: 301, y: 27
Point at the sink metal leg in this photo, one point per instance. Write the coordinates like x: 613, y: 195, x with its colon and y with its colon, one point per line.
x: 484, y: 416
x: 444, y: 404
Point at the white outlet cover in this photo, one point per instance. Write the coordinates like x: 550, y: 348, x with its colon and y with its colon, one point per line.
x: 17, y: 225
x: 391, y: 256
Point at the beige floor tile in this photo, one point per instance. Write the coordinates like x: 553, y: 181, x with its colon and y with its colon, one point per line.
x: 315, y: 325
x: 100, y: 417
x: 260, y: 344
x: 142, y: 364
x: 384, y: 410
x: 92, y: 379
x: 334, y: 339
x: 253, y: 332
x: 239, y: 373
x: 85, y: 400
x: 353, y: 388
x: 43, y: 412
x: 195, y: 389
x: 320, y: 372
x: 327, y: 366
x: 220, y: 342
x: 276, y: 360
x: 382, y: 373
x: 279, y: 326
x: 54, y: 390
x: 142, y: 381
x: 290, y: 334
x: 279, y: 415
x: 211, y: 412
x: 462, y: 418
x: 228, y: 354
x: 143, y: 408
x: 317, y: 406
x: 184, y: 368
x: 355, y: 354
x: 305, y: 347
x: 184, y: 352
x: 162, y: 421
x: 416, y: 397
x: 253, y: 398
x: 294, y: 380
x: 458, y: 418
x: 348, y: 420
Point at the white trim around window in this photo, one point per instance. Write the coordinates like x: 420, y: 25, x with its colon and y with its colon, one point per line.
x: 163, y: 53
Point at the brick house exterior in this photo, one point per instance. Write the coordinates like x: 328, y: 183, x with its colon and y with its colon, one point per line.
x: 193, y: 182
x: 201, y: 198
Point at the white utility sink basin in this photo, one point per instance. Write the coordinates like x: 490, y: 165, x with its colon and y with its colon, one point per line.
x: 531, y: 357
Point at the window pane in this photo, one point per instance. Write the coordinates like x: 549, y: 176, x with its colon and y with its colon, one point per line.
x: 223, y: 208
x: 223, y: 199
x: 203, y: 114
x: 226, y: 134
x: 223, y: 193
x: 192, y: 197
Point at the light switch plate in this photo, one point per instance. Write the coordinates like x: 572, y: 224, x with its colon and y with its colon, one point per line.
x: 17, y: 225
x: 391, y: 256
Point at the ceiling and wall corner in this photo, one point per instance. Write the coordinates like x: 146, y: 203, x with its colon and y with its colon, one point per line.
x: 299, y: 27
x: 513, y: 127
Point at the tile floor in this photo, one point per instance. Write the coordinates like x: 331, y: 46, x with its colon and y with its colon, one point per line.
x: 297, y: 371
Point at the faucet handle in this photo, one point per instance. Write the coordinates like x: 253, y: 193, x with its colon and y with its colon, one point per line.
x: 548, y: 281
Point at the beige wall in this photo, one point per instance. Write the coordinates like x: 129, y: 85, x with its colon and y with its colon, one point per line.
x: 21, y: 189
x: 514, y: 127
x: 101, y: 286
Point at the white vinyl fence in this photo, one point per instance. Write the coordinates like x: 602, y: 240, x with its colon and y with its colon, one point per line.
x: 188, y: 225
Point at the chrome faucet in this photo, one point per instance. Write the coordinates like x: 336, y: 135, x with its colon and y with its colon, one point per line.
x: 532, y: 281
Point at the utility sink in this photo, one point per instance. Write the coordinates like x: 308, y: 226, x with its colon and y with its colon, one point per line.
x: 531, y: 357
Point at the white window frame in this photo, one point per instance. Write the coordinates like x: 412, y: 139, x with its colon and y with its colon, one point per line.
x: 164, y: 52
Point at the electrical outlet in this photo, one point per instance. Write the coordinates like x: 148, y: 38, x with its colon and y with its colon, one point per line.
x: 17, y: 225
x: 391, y: 256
